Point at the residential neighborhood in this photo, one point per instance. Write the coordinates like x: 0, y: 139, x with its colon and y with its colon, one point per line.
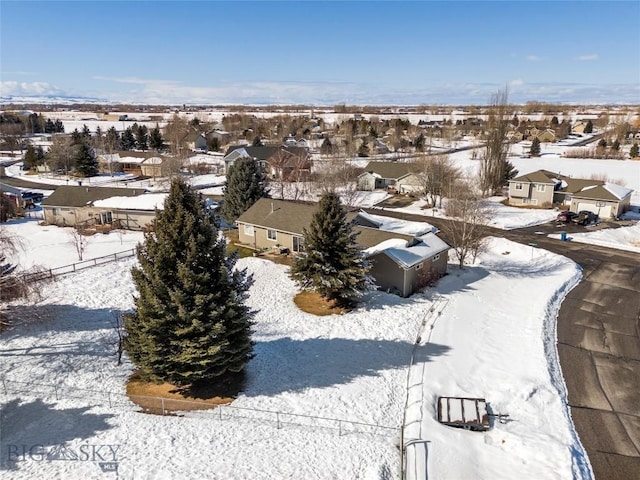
x: 319, y: 240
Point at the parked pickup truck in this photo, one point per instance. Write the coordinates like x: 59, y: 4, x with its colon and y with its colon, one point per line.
x: 585, y: 217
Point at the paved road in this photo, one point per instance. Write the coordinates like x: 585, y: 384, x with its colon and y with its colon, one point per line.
x: 598, y: 345
x: 21, y: 183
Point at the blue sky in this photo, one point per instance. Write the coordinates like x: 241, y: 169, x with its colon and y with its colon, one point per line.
x: 419, y: 52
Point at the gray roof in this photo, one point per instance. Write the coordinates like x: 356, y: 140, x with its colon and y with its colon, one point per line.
x: 540, y: 176
x: 283, y: 215
x: 392, y: 170
x: 75, y: 196
x: 294, y: 217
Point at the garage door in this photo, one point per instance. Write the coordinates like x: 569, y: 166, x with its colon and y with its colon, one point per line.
x: 603, y: 212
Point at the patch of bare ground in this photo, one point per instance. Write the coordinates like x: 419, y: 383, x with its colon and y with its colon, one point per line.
x: 166, y: 399
x: 314, y: 303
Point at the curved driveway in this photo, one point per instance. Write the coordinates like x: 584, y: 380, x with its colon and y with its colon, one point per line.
x: 598, y: 345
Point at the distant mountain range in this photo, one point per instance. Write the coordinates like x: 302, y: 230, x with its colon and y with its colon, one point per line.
x: 49, y: 99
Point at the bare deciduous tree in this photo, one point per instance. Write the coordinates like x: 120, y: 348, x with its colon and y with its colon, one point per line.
x: 472, y: 214
x: 437, y: 174
x: 117, y: 324
x: 61, y: 154
x: 79, y: 241
x: 493, y: 165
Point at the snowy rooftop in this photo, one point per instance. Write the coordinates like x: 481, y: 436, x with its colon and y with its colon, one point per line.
x: 148, y: 201
x: 409, y: 254
x: 617, y: 190
x: 390, y: 224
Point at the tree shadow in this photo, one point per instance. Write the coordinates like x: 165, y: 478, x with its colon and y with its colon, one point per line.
x: 287, y: 365
x: 33, y: 430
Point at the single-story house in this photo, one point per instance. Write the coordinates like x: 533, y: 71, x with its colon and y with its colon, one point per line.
x: 545, y: 188
x: 396, y: 176
x: 220, y: 135
x: 73, y: 205
x: 276, y: 161
x: 123, y: 161
x: 401, y: 263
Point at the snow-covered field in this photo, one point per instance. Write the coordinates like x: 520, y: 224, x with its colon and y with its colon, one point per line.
x: 487, y: 342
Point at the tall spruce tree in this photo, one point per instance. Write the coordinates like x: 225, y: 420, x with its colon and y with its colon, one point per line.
x: 142, y: 138
x: 245, y: 185
x: 190, y: 323
x: 127, y: 139
x: 534, y: 151
x: 85, y: 160
x: 331, y: 264
x: 155, y: 139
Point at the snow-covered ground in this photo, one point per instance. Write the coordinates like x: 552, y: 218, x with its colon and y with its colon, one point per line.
x: 487, y: 342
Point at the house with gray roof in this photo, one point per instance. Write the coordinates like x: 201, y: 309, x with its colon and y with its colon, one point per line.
x: 276, y: 161
x: 401, y: 263
x: 395, y: 176
x: 544, y: 188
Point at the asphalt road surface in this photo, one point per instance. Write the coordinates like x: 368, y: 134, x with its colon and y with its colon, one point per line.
x: 598, y: 344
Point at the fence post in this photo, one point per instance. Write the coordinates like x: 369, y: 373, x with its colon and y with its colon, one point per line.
x: 55, y: 389
x: 162, y: 400
x: 109, y: 398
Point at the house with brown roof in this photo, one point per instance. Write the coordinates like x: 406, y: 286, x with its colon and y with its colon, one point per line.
x: 70, y: 206
x: 401, y: 263
x: 544, y: 188
x: 396, y: 176
x: 123, y: 161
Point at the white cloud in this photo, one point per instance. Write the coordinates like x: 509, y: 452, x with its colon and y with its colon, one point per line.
x: 516, y: 83
x: 533, y: 58
x: 588, y: 58
x: 13, y: 88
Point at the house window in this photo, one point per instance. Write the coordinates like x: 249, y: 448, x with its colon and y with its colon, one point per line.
x: 518, y: 186
x: 601, y: 204
x: 248, y: 230
x: 540, y: 188
x: 298, y: 244
x: 419, y: 266
x: 272, y: 235
x: 106, y: 218
x: 56, y: 211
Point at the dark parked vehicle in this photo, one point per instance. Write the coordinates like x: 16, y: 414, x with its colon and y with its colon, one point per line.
x: 585, y: 217
x: 566, y: 216
x: 33, y: 196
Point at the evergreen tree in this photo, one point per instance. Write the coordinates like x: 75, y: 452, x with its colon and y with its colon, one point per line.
x: 602, y: 144
x: 86, y: 133
x: 30, y: 158
x: 76, y: 137
x: 85, y: 160
x: 635, y: 151
x: 257, y: 142
x: 615, y: 146
x: 327, y: 147
x: 363, y: 150
x: 418, y: 143
x: 49, y: 126
x: 214, y: 144
x: 155, y: 139
x: 554, y: 122
x: 40, y: 155
x: 59, y: 126
x: 245, y: 185
x: 509, y: 172
x: 588, y: 128
x: 127, y: 140
x: 190, y: 323
x: 331, y: 264
x: 142, y: 138
x: 535, y: 147
x: 112, y: 140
